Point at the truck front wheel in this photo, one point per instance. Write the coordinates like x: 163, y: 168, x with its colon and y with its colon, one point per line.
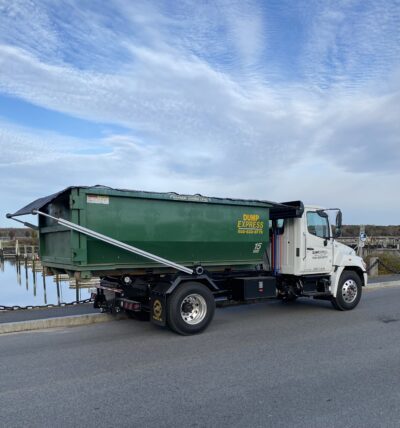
x: 190, y: 308
x: 349, y: 291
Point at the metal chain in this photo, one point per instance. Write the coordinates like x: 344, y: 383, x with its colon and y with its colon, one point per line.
x: 61, y: 305
x: 390, y: 269
x: 379, y: 262
x: 373, y: 265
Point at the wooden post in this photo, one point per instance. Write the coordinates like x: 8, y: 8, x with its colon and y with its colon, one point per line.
x: 58, y: 289
x: 44, y: 287
x: 1, y: 256
x: 375, y: 270
x: 34, y: 277
x: 18, y: 266
x: 77, y: 289
x: 26, y: 274
x: 361, y: 243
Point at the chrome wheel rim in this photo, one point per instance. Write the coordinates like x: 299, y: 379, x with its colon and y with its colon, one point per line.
x: 193, y: 309
x: 349, y: 291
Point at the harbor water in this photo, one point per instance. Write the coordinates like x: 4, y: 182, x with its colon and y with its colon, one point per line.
x: 22, y: 283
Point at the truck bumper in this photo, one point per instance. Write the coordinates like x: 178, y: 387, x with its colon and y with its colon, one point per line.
x: 365, y: 278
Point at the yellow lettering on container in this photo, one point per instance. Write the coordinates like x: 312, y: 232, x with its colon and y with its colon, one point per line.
x: 250, y: 224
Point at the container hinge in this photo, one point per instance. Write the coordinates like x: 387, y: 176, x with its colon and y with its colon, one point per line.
x: 76, y: 202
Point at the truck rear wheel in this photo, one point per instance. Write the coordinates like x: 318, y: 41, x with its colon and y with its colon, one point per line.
x: 348, y: 293
x: 191, y: 308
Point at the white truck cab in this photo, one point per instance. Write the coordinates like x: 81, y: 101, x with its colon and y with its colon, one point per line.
x: 309, y: 261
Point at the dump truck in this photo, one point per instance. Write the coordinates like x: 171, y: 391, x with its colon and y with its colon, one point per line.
x: 172, y: 258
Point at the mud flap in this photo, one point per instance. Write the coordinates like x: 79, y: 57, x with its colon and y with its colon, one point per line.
x: 158, y: 304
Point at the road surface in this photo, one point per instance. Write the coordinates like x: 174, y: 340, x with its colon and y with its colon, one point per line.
x: 271, y: 364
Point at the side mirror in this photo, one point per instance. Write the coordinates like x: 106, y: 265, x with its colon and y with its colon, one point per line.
x: 322, y: 213
x: 338, y: 226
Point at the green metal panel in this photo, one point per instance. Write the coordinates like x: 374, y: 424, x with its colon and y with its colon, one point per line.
x: 189, y: 230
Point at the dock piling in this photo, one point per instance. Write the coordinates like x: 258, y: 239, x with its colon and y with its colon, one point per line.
x: 44, y: 287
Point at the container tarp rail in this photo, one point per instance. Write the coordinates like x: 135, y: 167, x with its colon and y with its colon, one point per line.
x: 116, y: 243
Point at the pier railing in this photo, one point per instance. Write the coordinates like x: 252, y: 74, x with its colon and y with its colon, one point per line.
x: 383, y: 242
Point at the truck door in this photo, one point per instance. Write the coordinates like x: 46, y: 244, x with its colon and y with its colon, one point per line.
x: 318, y: 249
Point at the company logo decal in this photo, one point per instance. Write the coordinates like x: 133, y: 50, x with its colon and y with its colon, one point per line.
x: 250, y: 224
x: 320, y: 254
x: 157, y: 310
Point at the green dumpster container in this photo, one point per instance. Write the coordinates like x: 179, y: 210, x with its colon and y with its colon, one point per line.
x: 193, y: 230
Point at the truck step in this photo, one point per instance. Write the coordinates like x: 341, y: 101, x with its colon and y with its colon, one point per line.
x: 316, y: 294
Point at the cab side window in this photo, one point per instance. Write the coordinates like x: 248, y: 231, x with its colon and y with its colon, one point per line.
x: 317, y: 225
x: 279, y: 227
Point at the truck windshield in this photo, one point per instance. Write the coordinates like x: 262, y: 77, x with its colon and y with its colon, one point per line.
x: 317, y: 225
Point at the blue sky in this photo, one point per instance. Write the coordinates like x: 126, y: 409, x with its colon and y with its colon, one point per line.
x: 275, y: 100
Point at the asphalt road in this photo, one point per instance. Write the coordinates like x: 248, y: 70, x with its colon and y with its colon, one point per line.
x: 261, y: 365
x: 383, y: 278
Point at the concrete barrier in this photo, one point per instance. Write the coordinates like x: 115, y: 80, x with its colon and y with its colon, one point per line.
x: 68, y: 321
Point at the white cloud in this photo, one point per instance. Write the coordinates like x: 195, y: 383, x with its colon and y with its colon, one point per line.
x: 190, y: 87
x: 351, y: 44
x: 127, y: 162
x: 27, y: 24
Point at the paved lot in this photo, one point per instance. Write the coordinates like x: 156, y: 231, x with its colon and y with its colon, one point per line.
x: 271, y: 364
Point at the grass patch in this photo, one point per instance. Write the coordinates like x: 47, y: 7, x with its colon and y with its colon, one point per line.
x: 390, y: 263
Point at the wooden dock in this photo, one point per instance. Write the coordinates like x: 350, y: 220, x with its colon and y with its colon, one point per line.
x: 15, y: 250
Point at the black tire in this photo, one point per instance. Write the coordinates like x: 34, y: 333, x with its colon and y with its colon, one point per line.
x: 199, y: 303
x: 349, y: 292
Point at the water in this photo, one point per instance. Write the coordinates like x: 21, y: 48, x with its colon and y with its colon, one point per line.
x: 23, y: 284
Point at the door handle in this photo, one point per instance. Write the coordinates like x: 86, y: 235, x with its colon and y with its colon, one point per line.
x: 310, y: 248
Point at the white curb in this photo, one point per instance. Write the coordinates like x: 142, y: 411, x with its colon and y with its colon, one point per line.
x: 68, y: 321
x: 385, y: 284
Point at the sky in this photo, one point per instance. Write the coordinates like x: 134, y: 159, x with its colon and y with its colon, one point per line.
x: 273, y: 99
